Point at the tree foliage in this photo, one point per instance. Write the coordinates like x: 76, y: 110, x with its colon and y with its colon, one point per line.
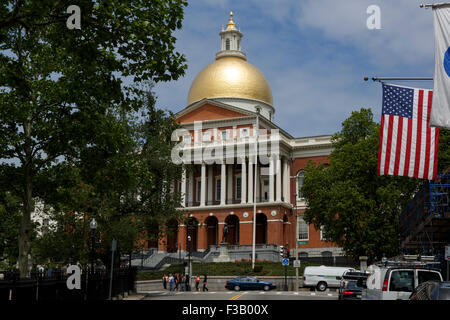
x: 358, y: 209
x: 60, y: 87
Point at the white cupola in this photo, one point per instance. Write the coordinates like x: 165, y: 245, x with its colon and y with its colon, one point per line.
x: 231, y: 41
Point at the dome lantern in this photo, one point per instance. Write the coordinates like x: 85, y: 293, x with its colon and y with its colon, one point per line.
x: 231, y: 41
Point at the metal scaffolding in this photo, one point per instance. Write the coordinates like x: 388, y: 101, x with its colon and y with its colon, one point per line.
x: 425, y: 222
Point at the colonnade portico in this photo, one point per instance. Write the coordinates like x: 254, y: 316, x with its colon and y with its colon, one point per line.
x: 200, y: 186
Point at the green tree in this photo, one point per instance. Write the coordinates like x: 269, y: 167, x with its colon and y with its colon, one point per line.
x: 57, y: 86
x: 9, y: 226
x: 358, y: 209
x: 158, y: 174
x: 125, y: 180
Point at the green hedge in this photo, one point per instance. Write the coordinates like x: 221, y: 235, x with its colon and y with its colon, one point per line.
x: 232, y: 269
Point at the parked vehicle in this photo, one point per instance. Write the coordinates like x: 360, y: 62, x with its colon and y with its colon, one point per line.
x: 396, y: 280
x: 248, y: 283
x: 323, y: 277
x: 350, y: 291
x: 351, y: 285
x: 432, y: 290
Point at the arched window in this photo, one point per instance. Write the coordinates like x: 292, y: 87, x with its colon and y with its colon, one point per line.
x: 227, y: 44
x: 300, y: 181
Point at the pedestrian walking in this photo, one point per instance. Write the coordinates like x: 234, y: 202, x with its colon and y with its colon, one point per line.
x: 171, y: 282
x: 182, y: 282
x: 164, y: 279
x: 205, y: 281
x: 197, y: 283
x: 177, y: 281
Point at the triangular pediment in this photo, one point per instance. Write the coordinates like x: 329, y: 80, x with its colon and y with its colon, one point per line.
x: 208, y: 110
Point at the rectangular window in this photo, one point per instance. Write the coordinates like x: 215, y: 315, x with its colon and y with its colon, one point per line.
x: 323, y: 234
x: 303, y: 229
x: 225, y: 134
x: 187, y: 138
x: 238, y: 188
x: 428, y: 276
x: 218, y: 189
x: 244, y: 132
x: 206, y: 136
x: 402, y: 280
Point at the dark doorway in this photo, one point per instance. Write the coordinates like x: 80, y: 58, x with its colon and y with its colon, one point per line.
x: 233, y: 229
x: 172, y: 236
x: 192, y: 231
x: 261, y: 228
x: 211, y: 231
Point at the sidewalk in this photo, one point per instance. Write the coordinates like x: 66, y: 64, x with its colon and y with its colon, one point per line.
x: 135, y: 296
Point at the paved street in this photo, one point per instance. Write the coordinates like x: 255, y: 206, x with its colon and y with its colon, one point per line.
x: 242, y: 295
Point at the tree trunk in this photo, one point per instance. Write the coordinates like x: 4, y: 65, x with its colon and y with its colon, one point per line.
x: 28, y: 206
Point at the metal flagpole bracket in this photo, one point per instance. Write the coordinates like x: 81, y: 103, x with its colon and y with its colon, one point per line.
x: 399, y: 79
x: 433, y: 5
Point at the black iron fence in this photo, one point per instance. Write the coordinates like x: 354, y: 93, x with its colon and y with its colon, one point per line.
x: 44, y: 286
x: 333, y: 261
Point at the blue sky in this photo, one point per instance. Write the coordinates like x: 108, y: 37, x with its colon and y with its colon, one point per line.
x: 314, y: 54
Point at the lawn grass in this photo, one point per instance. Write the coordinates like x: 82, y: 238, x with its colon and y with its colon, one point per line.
x: 240, y: 268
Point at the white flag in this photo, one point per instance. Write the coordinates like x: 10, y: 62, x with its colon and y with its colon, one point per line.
x: 440, y: 110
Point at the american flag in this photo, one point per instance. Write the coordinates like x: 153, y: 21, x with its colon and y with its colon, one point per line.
x: 408, y: 146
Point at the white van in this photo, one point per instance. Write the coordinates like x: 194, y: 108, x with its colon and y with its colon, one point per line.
x: 323, y: 277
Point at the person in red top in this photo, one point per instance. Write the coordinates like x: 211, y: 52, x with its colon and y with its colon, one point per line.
x: 197, y: 283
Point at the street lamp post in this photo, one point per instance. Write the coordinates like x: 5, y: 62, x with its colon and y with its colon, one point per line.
x: 189, y: 258
x: 93, y: 226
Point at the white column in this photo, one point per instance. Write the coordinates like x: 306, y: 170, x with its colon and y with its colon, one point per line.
x: 203, y: 186
x: 223, y: 186
x: 251, y: 180
x: 278, y: 173
x: 183, y: 187
x: 286, y: 180
x: 230, y: 183
x: 191, y: 187
x: 244, y: 181
x: 210, y: 184
x: 271, y: 179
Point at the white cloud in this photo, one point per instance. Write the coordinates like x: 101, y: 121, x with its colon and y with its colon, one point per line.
x: 314, y: 53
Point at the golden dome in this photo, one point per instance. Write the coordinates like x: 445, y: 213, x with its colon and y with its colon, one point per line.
x: 230, y: 77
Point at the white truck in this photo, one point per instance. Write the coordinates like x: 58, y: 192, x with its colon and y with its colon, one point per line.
x: 323, y: 277
x: 396, y: 280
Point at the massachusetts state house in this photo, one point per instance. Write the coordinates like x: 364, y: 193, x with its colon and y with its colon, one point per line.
x: 226, y: 101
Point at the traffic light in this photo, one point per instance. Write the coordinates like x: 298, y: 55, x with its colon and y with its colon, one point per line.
x: 288, y: 253
x: 282, y: 251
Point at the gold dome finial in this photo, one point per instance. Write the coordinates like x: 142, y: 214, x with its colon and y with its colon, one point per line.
x: 231, y: 25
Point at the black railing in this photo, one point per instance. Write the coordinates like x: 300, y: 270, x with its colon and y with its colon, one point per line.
x: 199, y: 254
x: 45, y: 286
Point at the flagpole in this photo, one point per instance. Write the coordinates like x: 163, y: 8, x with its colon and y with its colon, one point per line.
x: 254, y: 189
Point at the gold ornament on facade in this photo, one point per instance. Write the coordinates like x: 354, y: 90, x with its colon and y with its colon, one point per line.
x: 231, y: 25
